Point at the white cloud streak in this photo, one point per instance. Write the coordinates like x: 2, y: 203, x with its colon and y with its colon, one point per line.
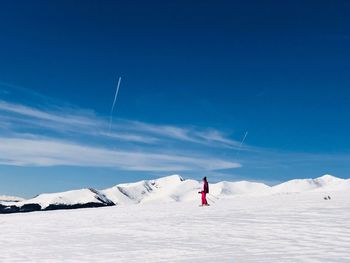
x: 208, y: 137
x: 73, y: 121
x: 30, y: 136
x: 54, y: 136
x: 40, y: 152
x: 51, y: 134
x: 43, y: 115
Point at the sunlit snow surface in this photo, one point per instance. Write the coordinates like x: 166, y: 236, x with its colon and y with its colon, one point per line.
x: 294, y: 227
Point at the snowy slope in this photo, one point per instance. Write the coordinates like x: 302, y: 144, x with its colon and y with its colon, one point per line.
x: 301, y: 185
x: 247, y: 229
x: 175, y: 189
x: 5, y: 198
x: 74, y: 197
x: 225, y: 189
x: 64, y: 200
x: 169, y: 189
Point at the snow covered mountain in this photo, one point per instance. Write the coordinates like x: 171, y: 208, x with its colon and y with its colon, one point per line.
x: 5, y: 198
x: 326, y: 182
x: 65, y: 200
x: 175, y: 189
x: 166, y: 189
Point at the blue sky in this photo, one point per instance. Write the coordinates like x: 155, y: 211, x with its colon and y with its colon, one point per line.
x: 195, y: 77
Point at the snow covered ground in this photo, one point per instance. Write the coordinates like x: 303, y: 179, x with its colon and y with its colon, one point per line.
x: 282, y: 226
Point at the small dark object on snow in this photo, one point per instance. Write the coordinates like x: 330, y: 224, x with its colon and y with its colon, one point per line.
x: 327, y: 198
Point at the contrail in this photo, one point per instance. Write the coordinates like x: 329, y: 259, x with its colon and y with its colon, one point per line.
x: 115, y: 99
x: 240, y: 146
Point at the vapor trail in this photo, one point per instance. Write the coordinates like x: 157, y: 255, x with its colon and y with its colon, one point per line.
x: 240, y: 145
x: 115, y: 99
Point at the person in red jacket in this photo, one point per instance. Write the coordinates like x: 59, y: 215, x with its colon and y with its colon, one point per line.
x: 205, y: 191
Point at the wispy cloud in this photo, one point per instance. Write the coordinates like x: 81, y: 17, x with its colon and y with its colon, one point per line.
x: 46, y: 152
x: 52, y: 134
x: 57, y: 135
x: 130, y: 137
x: 78, y: 121
x: 66, y: 118
x: 209, y: 137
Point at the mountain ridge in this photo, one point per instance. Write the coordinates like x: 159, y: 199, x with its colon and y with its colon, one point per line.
x: 173, y: 188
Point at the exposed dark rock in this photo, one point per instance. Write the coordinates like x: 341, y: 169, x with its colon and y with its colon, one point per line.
x: 7, y: 209
x: 30, y: 208
x: 76, y: 206
x: 101, y: 197
x: 121, y: 189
